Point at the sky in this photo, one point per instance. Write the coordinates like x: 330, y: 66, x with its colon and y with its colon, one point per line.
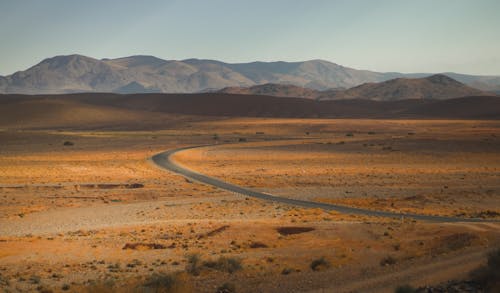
x: 384, y: 35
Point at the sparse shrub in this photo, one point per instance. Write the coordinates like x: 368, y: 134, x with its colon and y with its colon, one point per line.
x: 388, y: 261
x: 286, y: 271
x: 226, y: 288
x: 35, y: 279
x: 242, y: 139
x: 224, y: 264
x: 4, y: 282
x: 349, y: 134
x: 405, y: 289
x: 134, y: 185
x: 193, y: 265
x: 141, y: 245
x: 489, y: 276
x: 65, y: 287
x: 68, y: 143
x: 114, y: 268
x: 487, y: 214
x: 319, y: 264
x: 158, y: 282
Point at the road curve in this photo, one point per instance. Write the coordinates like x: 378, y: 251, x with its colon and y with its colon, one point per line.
x: 164, y: 161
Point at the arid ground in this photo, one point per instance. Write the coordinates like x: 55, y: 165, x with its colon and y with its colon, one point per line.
x: 84, y: 209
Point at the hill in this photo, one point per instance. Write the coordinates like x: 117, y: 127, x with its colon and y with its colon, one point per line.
x: 437, y: 86
x: 275, y: 90
x: 150, y: 111
x: 433, y: 87
x: 76, y: 73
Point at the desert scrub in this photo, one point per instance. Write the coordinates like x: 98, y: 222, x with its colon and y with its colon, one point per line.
x: 163, y: 283
x: 224, y: 264
x: 193, y: 264
x: 226, y: 288
x: 286, y: 271
x: 388, y: 261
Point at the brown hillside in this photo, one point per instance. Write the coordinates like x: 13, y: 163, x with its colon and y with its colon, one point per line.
x: 434, y: 87
x: 276, y: 90
x: 159, y: 110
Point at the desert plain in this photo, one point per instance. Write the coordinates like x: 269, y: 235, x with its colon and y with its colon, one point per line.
x: 83, y: 207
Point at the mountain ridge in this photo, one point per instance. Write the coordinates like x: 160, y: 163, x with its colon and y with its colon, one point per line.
x: 436, y: 86
x: 79, y: 73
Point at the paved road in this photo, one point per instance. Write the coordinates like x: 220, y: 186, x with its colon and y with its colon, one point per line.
x: 164, y: 161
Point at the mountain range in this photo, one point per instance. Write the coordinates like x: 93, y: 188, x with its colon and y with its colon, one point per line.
x: 148, y: 74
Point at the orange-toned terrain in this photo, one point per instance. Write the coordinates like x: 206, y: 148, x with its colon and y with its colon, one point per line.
x: 84, y: 209
x: 433, y: 167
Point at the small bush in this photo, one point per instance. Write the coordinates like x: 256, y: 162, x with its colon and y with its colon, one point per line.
x: 163, y: 283
x: 68, y: 143
x: 141, y: 245
x: 160, y: 281
x: 405, y: 289
x: 4, y: 282
x: 226, y: 288
x: 35, y: 279
x: 388, y: 261
x: 193, y: 265
x: 224, y: 264
x: 242, y: 139
x: 319, y: 264
x: 286, y: 271
x: 65, y: 287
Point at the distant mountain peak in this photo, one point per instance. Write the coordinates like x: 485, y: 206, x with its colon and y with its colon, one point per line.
x: 442, y: 79
x: 68, y: 58
x: 137, y: 60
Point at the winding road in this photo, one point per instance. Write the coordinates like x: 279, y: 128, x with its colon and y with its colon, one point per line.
x: 164, y: 161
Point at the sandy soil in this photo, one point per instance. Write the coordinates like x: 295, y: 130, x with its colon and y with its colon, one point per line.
x: 444, y: 168
x: 99, y: 215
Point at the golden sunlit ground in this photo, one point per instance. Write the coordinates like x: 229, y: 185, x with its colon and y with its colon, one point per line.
x: 98, y: 214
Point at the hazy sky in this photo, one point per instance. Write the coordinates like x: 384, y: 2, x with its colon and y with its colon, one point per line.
x: 383, y: 35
